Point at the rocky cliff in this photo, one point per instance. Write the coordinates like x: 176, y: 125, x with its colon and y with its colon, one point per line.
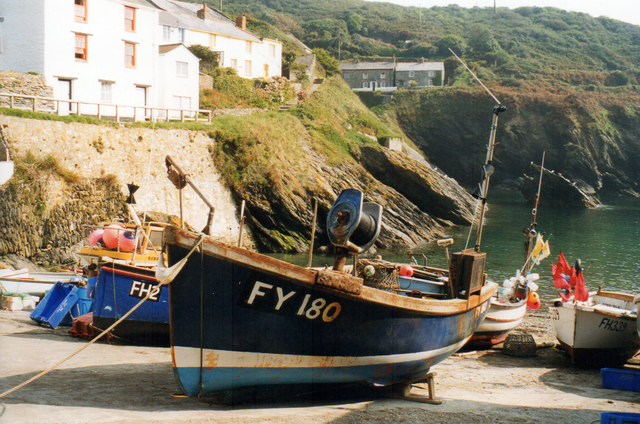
x: 588, y: 136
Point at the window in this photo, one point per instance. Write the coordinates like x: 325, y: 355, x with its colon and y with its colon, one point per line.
x: 181, y: 102
x: 383, y: 75
x: 182, y: 69
x: 365, y: 75
x: 272, y: 50
x: 129, y: 18
x: 80, y: 7
x: 129, y: 54
x: 365, y: 84
x: 247, y: 47
x: 181, y: 34
x: 81, y: 46
x: 383, y: 84
x: 247, y: 67
x: 166, y: 32
x: 347, y: 75
x: 106, y: 91
x: 411, y: 75
x: 234, y: 64
x: 431, y: 73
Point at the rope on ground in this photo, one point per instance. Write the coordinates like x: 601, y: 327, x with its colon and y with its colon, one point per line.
x: 99, y: 336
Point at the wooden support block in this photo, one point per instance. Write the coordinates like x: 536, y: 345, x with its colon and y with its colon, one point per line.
x: 403, y: 391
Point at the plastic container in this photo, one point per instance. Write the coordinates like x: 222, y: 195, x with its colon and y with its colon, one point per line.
x: 622, y: 379
x: 56, y: 304
x: 619, y: 418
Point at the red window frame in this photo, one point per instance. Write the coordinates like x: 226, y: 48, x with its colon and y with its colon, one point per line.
x: 81, y: 48
x: 80, y: 10
x: 129, y: 18
x: 129, y: 54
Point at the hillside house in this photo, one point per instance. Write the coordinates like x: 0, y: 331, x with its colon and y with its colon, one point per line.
x: 126, y: 52
x: 237, y: 48
x: 389, y: 76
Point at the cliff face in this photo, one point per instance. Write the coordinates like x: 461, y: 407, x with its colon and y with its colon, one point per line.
x: 593, y: 137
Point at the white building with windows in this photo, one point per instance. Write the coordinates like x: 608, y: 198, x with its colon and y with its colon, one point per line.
x: 126, y: 52
x: 238, y: 48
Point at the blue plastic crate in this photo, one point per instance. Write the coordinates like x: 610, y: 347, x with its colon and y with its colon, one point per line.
x: 614, y: 378
x: 619, y: 418
x: 56, y: 304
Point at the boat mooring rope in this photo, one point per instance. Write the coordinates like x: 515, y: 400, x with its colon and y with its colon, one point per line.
x: 176, y: 268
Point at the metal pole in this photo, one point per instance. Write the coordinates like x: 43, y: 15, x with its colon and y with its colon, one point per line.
x: 534, y: 215
x: 241, y: 223
x: 313, y: 231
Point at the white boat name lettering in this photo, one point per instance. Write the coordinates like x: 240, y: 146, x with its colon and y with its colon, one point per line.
x: 613, y: 325
x: 141, y: 289
x: 310, y: 309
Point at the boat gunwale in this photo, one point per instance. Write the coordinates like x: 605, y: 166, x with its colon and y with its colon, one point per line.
x: 306, y: 276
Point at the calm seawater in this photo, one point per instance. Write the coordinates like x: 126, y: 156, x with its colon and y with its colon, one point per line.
x: 606, y: 239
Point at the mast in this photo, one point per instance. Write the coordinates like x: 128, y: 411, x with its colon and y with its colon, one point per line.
x: 530, y: 231
x: 487, y: 169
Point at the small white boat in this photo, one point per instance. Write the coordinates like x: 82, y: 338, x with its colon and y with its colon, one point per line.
x: 33, y: 283
x: 502, y: 317
x: 599, y: 332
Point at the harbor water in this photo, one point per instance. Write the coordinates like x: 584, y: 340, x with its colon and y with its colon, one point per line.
x: 606, y: 239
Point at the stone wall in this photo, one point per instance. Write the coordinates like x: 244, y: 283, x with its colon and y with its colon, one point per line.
x: 28, y: 85
x: 132, y: 155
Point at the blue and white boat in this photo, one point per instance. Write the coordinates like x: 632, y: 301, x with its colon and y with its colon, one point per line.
x: 240, y: 319
x: 118, y: 289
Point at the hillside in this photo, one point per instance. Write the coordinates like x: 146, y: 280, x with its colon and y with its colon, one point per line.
x: 548, y: 44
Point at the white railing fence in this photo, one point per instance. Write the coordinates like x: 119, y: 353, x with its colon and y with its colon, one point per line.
x: 115, y: 112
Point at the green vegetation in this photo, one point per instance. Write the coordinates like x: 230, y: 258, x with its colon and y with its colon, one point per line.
x: 51, y: 117
x: 230, y: 90
x: 547, y: 45
x: 31, y: 168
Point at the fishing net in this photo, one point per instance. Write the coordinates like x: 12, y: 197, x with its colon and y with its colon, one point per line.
x: 385, y: 276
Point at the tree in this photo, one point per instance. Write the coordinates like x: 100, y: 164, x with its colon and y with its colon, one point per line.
x: 453, y: 42
x: 208, y: 58
x: 354, y: 23
x: 328, y: 62
x: 481, y: 41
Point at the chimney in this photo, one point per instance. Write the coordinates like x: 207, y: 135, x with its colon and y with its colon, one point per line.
x: 206, y: 13
x: 241, y: 22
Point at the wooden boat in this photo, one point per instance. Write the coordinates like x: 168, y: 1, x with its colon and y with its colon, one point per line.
x: 33, y: 283
x: 508, y: 308
x: 119, y: 287
x: 240, y: 319
x: 598, y: 332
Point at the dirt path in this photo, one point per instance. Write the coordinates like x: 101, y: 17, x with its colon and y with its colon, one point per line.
x: 128, y: 384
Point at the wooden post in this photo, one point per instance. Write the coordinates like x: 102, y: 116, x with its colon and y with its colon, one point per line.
x: 313, y: 231
x: 241, y: 223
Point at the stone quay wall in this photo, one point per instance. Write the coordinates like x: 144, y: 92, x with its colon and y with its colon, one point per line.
x: 102, y: 152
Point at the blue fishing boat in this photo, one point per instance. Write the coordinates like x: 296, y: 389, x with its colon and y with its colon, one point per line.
x: 118, y: 289
x: 240, y: 319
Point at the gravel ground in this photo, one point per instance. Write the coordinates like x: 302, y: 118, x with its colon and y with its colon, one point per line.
x: 131, y: 384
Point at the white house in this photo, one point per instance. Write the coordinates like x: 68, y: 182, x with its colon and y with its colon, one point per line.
x: 102, y: 51
x: 238, y: 48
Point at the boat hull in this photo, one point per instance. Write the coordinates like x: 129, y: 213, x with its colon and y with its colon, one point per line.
x: 237, y: 324
x: 119, y: 288
x: 501, y: 318
x: 33, y: 283
x: 636, y: 301
x: 595, y: 335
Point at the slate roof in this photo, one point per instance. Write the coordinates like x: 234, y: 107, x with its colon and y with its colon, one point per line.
x: 400, y: 66
x: 184, y: 15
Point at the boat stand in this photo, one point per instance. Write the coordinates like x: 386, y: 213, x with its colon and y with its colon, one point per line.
x: 403, y: 391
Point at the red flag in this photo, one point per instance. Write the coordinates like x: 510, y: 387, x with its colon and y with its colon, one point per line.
x: 563, y: 264
x: 581, y: 293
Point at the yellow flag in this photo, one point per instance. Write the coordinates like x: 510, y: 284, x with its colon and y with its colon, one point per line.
x: 537, y: 247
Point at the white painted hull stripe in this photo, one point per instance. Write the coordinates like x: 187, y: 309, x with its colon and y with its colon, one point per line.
x: 190, y: 357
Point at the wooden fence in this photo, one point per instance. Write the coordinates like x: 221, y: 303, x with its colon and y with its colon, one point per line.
x: 118, y: 113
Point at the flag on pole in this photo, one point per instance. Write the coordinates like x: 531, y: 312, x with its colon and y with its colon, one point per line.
x: 580, y: 291
x: 561, y: 272
x: 541, y: 250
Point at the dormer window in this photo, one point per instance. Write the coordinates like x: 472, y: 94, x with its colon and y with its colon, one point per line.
x: 80, y: 9
x: 129, y: 18
x: 365, y: 75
